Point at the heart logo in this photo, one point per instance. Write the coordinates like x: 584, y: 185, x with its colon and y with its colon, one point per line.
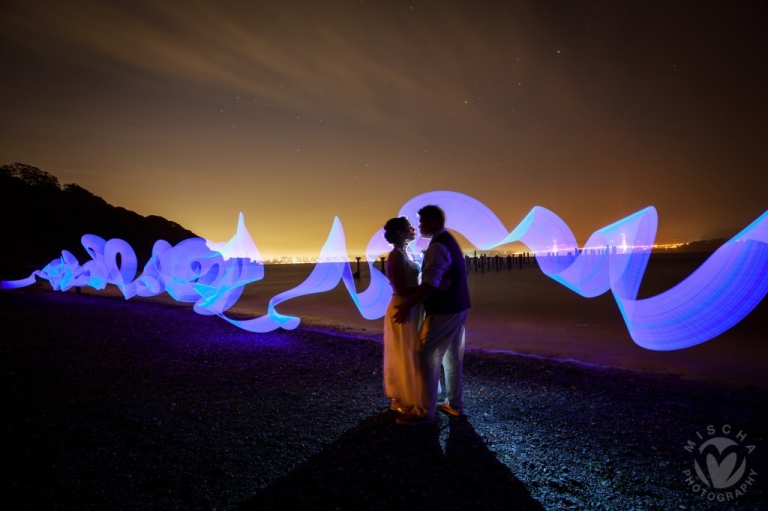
x: 721, y: 467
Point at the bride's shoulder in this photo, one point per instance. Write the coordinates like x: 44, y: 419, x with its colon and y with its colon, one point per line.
x: 396, y: 255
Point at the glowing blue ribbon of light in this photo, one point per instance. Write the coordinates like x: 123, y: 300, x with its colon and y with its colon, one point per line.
x: 719, y: 294
x: 189, y: 272
x: 715, y: 297
x: 331, y: 267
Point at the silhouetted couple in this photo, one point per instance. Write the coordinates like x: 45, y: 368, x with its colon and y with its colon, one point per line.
x: 424, y: 324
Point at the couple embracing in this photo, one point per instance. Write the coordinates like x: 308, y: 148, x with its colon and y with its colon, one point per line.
x: 424, y: 324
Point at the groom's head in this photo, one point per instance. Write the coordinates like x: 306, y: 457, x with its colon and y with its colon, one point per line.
x: 431, y: 220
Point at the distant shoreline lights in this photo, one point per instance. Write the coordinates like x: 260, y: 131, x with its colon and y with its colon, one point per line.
x: 719, y: 294
x: 288, y: 260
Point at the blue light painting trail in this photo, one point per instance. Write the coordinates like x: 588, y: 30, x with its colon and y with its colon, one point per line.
x: 719, y: 294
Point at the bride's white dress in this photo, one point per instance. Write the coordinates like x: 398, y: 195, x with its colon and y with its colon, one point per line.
x: 401, y: 368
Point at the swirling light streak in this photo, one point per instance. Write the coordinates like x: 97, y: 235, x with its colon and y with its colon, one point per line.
x: 719, y: 294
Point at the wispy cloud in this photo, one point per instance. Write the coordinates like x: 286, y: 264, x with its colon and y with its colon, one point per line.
x: 307, y: 55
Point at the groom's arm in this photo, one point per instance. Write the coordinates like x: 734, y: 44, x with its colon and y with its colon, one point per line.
x: 421, y: 294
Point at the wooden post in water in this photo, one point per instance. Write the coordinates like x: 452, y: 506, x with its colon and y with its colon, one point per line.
x: 382, y: 259
x: 357, y: 273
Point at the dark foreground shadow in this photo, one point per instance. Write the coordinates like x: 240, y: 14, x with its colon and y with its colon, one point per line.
x: 380, y: 465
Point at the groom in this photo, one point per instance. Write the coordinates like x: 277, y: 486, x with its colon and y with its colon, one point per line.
x: 441, y: 338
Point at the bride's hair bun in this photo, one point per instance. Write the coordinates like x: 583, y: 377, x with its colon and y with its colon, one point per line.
x: 393, y: 226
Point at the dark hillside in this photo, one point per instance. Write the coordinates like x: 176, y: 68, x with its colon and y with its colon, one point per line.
x: 40, y: 218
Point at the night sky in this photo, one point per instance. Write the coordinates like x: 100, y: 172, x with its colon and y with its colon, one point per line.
x: 296, y: 112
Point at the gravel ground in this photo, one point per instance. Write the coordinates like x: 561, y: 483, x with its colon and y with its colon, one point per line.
x: 108, y: 404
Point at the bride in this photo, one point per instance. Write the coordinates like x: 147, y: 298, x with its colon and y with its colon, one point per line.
x: 402, y: 378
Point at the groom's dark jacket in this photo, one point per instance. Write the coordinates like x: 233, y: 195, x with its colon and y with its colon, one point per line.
x: 456, y: 298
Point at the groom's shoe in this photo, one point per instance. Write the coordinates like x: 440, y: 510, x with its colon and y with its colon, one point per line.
x: 453, y: 412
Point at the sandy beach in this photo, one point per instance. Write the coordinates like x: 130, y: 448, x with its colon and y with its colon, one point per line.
x: 109, y: 404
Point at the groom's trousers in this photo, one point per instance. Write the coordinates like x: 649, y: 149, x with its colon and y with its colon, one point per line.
x: 441, y: 343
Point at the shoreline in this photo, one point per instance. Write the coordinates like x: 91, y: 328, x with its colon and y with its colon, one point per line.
x: 683, y: 368
x: 351, y: 333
